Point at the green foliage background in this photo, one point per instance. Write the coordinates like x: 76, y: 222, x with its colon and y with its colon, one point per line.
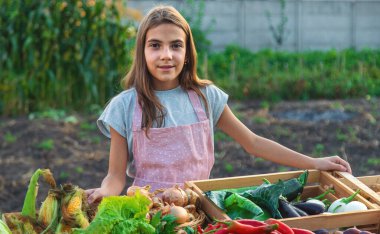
x: 274, y: 75
x: 72, y: 54
x: 60, y: 54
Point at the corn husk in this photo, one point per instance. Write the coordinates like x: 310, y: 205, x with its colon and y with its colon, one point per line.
x: 74, y: 207
x: 49, y: 212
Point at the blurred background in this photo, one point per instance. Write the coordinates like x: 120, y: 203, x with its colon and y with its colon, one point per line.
x: 305, y: 73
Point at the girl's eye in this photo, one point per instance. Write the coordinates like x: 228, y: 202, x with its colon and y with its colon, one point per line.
x: 177, y: 46
x: 154, y: 45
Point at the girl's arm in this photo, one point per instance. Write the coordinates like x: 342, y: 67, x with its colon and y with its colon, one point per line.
x: 270, y: 150
x: 114, y: 182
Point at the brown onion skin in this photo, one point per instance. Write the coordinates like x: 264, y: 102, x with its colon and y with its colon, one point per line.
x: 175, y: 196
x: 143, y: 191
x: 180, y: 213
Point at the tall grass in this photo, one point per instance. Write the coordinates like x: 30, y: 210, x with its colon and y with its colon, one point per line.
x: 60, y: 54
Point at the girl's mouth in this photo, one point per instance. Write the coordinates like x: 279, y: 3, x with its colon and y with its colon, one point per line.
x: 166, y: 67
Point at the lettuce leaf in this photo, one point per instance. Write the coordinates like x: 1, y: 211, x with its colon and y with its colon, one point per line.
x: 240, y: 207
x: 121, y: 214
x: 4, y: 228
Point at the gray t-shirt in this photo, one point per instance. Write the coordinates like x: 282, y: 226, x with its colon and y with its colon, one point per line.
x: 118, y: 114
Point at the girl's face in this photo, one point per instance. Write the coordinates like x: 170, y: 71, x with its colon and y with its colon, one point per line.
x: 165, y: 52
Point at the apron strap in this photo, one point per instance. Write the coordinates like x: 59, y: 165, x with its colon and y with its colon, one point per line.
x: 137, y: 115
x: 197, y: 105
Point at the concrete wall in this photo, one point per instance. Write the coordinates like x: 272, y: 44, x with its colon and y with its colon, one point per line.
x: 311, y: 25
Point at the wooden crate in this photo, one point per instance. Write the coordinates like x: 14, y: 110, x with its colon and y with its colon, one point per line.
x: 317, y: 183
x: 366, y: 184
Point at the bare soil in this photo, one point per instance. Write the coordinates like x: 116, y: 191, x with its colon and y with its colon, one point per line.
x: 78, y: 153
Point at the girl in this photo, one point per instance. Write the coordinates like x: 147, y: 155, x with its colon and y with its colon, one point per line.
x: 161, y: 127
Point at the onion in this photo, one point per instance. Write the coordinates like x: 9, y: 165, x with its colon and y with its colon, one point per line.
x: 176, y: 196
x: 143, y: 190
x: 192, y: 197
x: 180, y: 213
x: 131, y: 191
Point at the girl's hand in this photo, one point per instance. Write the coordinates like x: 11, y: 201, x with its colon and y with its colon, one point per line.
x: 95, y: 195
x: 333, y: 163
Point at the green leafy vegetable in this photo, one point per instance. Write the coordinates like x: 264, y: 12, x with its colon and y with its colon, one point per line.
x: 264, y: 216
x: 266, y: 196
x: 121, y: 214
x: 167, y: 225
x: 294, y: 187
x: 240, y: 207
x: 218, y: 197
x: 4, y: 228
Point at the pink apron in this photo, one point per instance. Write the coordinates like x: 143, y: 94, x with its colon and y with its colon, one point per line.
x: 172, y: 155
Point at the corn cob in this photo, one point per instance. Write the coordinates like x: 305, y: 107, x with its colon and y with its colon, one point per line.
x: 74, y: 206
x: 49, y: 211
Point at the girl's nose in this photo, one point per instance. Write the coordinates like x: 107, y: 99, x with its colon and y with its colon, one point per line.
x: 166, y: 53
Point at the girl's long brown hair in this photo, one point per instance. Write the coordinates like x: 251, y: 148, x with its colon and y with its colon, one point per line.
x: 139, y: 76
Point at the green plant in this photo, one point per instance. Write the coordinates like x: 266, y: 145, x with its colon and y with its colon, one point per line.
x: 375, y: 161
x: 61, y: 54
x: 259, y: 160
x: 282, y: 169
x: 260, y: 120
x: 71, y: 119
x: 282, y: 131
x: 229, y: 167
x: 95, y: 139
x: 47, y: 144
x: 318, y: 149
x: 63, y: 175
x: 273, y: 75
x: 79, y: 170
x: 54, y: 114
x: 221, y: 136
x: 9, y: 137
x: 341, y: 136
x: 87, y: 126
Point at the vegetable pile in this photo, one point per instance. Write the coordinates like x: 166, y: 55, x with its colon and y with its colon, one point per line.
x: 279, y: 200
x: 65, y: 210
x: 253, y: 210
x: 183, y: 204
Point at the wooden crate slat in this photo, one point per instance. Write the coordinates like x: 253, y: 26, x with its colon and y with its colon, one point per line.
x: 342, y: 190
x: 317, y: 183
x: 362, y: 184
x: 330, y: 221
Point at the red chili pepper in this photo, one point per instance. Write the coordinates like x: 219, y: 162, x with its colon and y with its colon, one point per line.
x: 238, y: 228
x: 222, y: 231
x: 211, y: 227
x: 282, y: 227
x: 251, y: 222
x: 301, y: 231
